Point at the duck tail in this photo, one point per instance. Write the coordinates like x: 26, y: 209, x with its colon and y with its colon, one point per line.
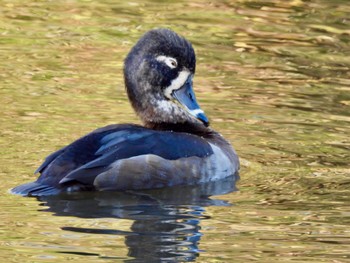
x: 35, y: 189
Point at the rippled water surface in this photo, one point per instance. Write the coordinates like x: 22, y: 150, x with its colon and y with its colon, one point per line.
x: 274, y: 78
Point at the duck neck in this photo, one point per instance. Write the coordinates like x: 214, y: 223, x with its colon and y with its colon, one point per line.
x: 187, y: 127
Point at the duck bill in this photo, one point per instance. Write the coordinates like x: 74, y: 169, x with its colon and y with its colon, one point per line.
x: 186, y: 97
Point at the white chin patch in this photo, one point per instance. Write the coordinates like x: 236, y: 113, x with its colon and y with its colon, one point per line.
x: 177, y: 83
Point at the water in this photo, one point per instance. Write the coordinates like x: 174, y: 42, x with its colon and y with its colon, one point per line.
x: 273, y: 77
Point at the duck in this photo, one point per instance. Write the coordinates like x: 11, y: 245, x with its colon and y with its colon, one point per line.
x: 175, y: 145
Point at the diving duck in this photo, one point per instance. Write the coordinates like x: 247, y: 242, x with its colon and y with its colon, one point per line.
x: 175, y: 145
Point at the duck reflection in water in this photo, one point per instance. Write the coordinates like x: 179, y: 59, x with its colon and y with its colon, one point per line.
x: 166, y: 222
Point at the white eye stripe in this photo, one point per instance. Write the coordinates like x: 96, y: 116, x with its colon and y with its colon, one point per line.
x: 169, y: 61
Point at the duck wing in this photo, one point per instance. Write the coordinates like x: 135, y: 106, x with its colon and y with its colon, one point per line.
x: 134, y: 141
x: 82, y: 161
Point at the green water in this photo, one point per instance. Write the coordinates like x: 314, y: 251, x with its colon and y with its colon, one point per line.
x: 273, y: 77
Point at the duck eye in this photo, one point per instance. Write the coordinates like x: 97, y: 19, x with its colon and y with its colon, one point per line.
x: 172, y: 62
x: 169, y: 61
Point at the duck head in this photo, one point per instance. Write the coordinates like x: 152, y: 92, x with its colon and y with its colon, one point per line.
x: 158, y: 73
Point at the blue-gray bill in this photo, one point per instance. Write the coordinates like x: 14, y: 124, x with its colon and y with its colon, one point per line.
x: 186, y: 97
